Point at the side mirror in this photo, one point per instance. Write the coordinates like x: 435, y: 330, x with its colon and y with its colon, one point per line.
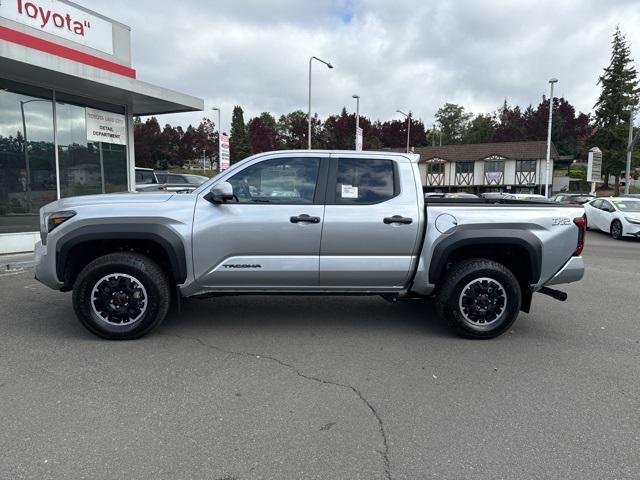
x: 220, y: 193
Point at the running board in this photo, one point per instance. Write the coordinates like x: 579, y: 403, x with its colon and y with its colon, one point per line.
x: 557, y: 294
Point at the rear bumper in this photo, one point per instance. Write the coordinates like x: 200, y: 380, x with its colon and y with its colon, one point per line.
x: 572, y: 271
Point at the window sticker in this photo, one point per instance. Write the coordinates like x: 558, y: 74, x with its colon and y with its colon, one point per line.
x: 349, y: 191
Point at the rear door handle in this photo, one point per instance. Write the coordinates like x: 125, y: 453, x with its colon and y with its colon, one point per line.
x: 304, y: 218
x: 398, y: 219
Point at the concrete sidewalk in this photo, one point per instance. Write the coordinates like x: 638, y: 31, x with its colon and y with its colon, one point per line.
x: 16, y: 262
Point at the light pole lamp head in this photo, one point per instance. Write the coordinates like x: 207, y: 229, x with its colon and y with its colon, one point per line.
x: 553, y: 80
x: 355, y: 96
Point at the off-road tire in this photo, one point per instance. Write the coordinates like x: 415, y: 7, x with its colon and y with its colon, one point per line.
x: 450, y: 293
x: 140, y: 267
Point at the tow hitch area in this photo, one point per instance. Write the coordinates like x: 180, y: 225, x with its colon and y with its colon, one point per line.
x: 557, y: 294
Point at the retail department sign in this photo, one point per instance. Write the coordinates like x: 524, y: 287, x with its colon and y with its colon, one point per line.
x: 62, y: 20
x: 106, y: 127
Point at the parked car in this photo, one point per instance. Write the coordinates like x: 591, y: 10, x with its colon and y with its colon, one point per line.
x: 148, y: 180
x: 351, y: 223
x: 572, y: 198
x: 180, y: 178
x: 618, y: 216
x: 531, y: 196
x: 145, y: 176
x: 460, y: 195
x: 498, y: 196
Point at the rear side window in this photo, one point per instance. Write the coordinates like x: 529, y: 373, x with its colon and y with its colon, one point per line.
x: 363, y: 181
x: 596, y: 203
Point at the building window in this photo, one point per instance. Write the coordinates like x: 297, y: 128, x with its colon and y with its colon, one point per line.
x: 526, y: 166
x: 464, y: 173
x: 464, y: 167
x: 493, y: 172
x: 27, y: 159
x: 30, y: 149
x: 526, y: 172
x: 86, y: 167
x: 436, y: 168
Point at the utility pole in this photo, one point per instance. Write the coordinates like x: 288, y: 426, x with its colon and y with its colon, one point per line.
x: 217, y: 109
x: 552, y: 81
x: 357, y: 97
x: 630, y: 144
x: 408, y: 115
x: 309, y: 114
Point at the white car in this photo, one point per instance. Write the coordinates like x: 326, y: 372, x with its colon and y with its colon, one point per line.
x: 619, y: 216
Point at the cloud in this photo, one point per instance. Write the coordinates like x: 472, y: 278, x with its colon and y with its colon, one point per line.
x: 413, y: 55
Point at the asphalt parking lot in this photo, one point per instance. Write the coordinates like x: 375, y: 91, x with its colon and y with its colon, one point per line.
x: 327, y: 388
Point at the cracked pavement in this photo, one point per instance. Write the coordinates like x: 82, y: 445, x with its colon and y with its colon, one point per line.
x: 327, y: 388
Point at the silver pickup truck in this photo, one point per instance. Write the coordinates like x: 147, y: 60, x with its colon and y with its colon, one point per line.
x: 307, y: 222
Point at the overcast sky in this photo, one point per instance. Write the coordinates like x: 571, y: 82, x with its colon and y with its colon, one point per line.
x: 408, y: 55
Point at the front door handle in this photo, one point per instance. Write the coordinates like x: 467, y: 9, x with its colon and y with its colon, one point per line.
x: 398, y: 219
x: 304, y: 218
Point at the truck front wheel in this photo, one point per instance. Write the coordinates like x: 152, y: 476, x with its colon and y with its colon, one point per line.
x: 121, y: 296
x: 479, y: 298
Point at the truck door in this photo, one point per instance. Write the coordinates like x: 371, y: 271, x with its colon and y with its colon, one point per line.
x: 371, y: 221
x: 269, y: 235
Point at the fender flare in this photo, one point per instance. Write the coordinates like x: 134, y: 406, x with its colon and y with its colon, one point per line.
x: 466, y: 237
x: 161, y: 234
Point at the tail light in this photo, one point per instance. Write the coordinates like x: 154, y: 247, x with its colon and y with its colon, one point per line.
x: 581, y: 223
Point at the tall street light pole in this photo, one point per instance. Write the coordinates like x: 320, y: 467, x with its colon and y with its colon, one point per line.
x: 408, y: 116
x: 552, y: 81
x: 357, y: 97
x: 216, y: 109
x: 309, y: 115
x: 630, y: 144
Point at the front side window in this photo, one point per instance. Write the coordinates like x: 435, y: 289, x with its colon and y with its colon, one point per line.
x: 364, y: 181
x: 280, y: 180
x: 606, y: 206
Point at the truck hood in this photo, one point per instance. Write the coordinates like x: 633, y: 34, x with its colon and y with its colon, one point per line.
x: 110, y: 198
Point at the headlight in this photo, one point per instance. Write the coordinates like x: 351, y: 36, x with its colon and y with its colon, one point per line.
x: 631, y: 220
x: 58, y: 218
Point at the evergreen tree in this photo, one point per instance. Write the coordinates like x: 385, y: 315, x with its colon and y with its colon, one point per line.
x: 619, y: 94
x: 454, y: 122
x: 239, y: 145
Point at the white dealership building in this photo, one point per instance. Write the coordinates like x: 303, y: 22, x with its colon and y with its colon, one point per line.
x: 68, y: 94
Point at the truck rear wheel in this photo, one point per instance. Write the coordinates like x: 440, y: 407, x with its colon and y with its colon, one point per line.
x: 121, y: 296
x: 479, y: 298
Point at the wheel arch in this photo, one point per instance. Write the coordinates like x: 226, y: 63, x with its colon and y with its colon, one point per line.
x: 82, y: 245
x: 508, y: 246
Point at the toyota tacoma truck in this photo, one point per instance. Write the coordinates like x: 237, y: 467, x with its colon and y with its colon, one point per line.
x: 307, y: 222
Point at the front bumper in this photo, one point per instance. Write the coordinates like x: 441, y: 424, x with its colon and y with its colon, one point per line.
x: 45, y: 267
x: 631, y: 229
x: 572, y: 271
